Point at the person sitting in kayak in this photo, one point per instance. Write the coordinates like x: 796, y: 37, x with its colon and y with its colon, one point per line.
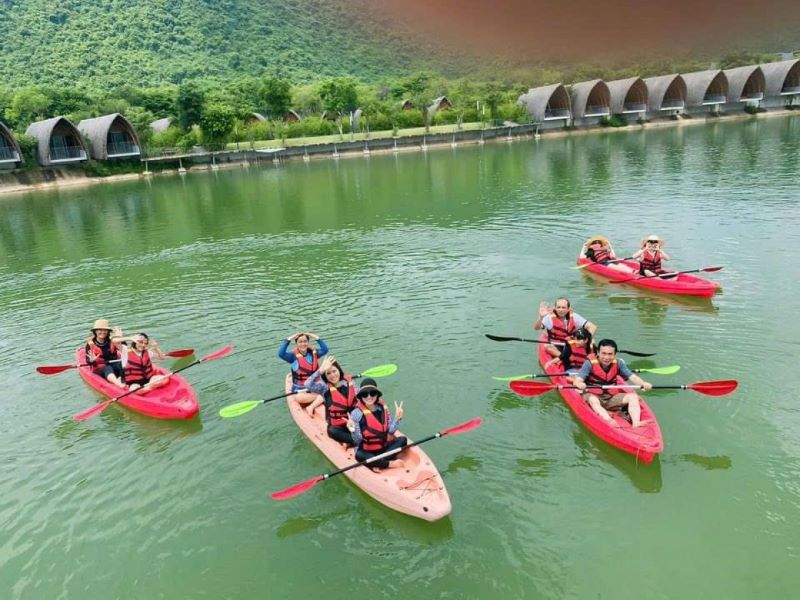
x: 373, y: 427
x: 337, y: 392
x: 650, y: 255
x: 560, y: 322
x: 574, y: 353
x: 599, y: 250
x: 103, y: 355
x: 139, y: 365
x: 304, y: 360
x: 605, y: 370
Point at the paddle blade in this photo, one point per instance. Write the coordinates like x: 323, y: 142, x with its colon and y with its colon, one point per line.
x: 498, y: 338
x: 222, y: 352
x: 180, y: 353
x: 714, y: 388
x: 240, y: 408
x: 95, y: 410
x: 297, y: 489
x: 711, y: 269
x: 380, y: 371
x: 513, y: 378
x: 531, y: 388
x: 53, y: 369
x: 632, y: 353
x: 661, y: 370
x: 464, y: 427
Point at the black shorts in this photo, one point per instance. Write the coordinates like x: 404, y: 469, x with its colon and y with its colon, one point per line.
x: 112, y: 369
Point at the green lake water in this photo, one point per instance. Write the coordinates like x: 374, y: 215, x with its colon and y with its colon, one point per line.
x: 410, y: 259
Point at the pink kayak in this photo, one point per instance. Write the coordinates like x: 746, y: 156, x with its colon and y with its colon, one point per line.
x: 643, y: 442
x: 175, y: 400
x: 417, y: 489
x: 683, y: 284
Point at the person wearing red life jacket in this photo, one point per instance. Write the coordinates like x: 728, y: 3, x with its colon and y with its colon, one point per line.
x: 304, y: 361
x: 373, y: 427
x: 599, y: 250
x: 337, y: 392
x: 605, y: 370
x: 139, y: 372
x: 574, y: 353
x: 103, y: 354
x: 650, y: 256
x: 560, y: 322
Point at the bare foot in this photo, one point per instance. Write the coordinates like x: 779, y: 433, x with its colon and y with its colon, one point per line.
x: 642, y: 423
x: 612, y: 423
x: 343, y: 445
x: 397, y: 464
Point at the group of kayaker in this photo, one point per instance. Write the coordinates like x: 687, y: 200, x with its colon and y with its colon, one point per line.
x: 124, y: 361
x: 589, y: 367
x: 356, y: 415
x: 650, y: 255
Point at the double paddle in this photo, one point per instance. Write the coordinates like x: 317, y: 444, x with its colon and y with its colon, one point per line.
x: 300, y: 488
x: 240, y: 408
x: 671, y: 370
x: 98, y: 408
x: 667, y: 275
x: 498, y: 338
x: 610, y: 262
x: 707, y: 388
x: 53, y: 369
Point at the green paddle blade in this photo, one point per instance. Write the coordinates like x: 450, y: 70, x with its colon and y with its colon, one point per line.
x: 512, y: 378
x: 240, y: 408
x: 662, y: 370
x: 380, y: 371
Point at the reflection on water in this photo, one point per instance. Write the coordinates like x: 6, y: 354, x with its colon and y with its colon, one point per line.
x: 645, y: 477
x: 709, y: 463
x: 535, y: 467
x: 466, y: 463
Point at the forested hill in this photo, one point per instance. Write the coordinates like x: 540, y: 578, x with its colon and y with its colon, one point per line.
x: 98, y: 44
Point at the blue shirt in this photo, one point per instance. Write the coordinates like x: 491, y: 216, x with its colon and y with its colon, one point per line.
x: 289, y: 357
x: 357, y: 415
x: 624, y: 371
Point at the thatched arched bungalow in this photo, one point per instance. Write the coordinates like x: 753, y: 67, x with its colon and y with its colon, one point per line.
x: 59, y: 142
x: 548, y: 105
x: 10, y: 154
x: 406, y: 105
x: 160, y: 125
x: 666, y: 95
x: 291, y: 116
x: 254, y: 117
x: 590, y: 101
x: 706, y: 91
x: 745, y: 85
x: 110, y: 136
x: 628, y: 96
x: 783, y: 83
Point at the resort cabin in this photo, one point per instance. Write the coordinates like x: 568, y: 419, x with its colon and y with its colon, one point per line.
x: 160, y: 125
x: 706, y: 91
x: 783, y: 83
x: 746, y: 87
x: 406, y: 105
x: 59, y: 142
x: 666, y: 96
x: 440, y: 103
x: 628, y: 97
x: 110, y: 137
x: 329, y: 115
x: 10, y: 153
x: 548, y: 105
x: 590, y: 102
x: 291, y: 116
x: 254, y: 117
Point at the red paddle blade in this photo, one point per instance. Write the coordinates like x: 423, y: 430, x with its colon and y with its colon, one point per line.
x: 714, y: 388
x: 297, y: 489
x: 531, y: 388
x: 464, y: 427
x: 180, y: 353
x: 222, y: 352
x: 53, y: 369
x: 96, y: 409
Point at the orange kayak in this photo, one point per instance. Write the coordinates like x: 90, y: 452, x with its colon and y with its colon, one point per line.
x: 417, y: 489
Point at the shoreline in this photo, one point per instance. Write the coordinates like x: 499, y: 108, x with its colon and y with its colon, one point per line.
x: 55, y: 178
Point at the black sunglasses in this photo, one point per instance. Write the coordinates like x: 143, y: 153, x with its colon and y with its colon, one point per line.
x: 373, y: 393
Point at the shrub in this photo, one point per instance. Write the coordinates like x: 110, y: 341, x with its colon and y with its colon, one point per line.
x: 29, y: 146
x: 614, y: 121
x: 410, y: 118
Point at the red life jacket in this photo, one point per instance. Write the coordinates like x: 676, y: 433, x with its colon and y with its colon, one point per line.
x: 337, y: 407
x: 105, y: 353
x: 578, y: 355
x: 599, y: 376
x: 375, y: 433
x: 601, y: 253
x: 561, y: 329
x: 139, y: 368
x: 650, y: 262
x: 304, y: 368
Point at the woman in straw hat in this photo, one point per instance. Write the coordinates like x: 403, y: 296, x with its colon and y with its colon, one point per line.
x: 103, y: 354
x: 650, y: 255
x: 598, y: 249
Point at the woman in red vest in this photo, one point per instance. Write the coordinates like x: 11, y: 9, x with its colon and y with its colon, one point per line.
x: 574, y: 353
x: 337, y: 392
x: 139, y: 370
x: 650, y: 256
x: 103, y: 353
x: 373, y: 427
x: 304, y: 360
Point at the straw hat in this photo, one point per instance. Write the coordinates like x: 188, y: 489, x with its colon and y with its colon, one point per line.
x: 597, y: 238
x: 652, y: 237
x: 101, y: 324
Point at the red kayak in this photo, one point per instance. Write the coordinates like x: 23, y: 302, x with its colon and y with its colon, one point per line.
x: 643, y: 442
x: 683, y: 284
x: 175, y: 400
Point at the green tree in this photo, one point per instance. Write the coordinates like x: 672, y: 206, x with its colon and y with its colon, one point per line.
x: 339, y: 95
x: 217, y: 122
x: 190, y: 104
x: 275, y: 97
x: 27, y: 106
